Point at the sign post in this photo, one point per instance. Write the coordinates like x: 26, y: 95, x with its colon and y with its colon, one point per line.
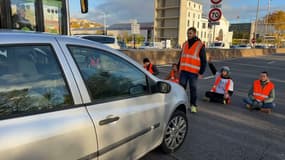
x: 135, y: 29
x: 215, y: 14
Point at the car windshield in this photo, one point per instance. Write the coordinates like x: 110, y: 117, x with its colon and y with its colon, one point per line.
x: 106, y: 40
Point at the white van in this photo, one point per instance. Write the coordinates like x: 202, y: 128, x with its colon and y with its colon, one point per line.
x: 110, y: 41
x: 219, y: 44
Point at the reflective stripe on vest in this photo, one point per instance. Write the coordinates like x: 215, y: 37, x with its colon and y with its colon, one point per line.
x: 217, y: 82
x: 190, y: 58
x: 173, y: 78
x: 261, y: 93
x: 149, y: 68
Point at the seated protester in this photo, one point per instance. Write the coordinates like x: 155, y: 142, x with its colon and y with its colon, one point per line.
x: 150, y: 67
x: 174, y: 74
x: 223, y: 87
x: 261, y: 95
x: 93, y: 61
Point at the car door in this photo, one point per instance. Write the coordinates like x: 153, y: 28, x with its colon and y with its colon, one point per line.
x: 41, y: 111
x: 126, y: 114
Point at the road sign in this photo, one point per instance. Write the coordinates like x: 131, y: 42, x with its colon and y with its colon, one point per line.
x: 253, y: 40
x: 215, y: 14
x: 215, y: 23
x: 216, y: 1
x: 135, y: 28
x: 216, y: 6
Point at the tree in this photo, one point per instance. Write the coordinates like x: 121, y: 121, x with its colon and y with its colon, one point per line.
x: 277, y: 18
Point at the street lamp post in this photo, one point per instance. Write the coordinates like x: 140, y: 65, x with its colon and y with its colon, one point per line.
x: 104, y: 22
x: 256, y: 20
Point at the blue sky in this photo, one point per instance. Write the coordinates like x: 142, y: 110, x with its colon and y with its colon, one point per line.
x: 120, y: 11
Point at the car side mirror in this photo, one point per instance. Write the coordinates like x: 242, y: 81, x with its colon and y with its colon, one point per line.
x: 163, y: 87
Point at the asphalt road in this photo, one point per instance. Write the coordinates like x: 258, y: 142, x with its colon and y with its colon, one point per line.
x: 231, y: 132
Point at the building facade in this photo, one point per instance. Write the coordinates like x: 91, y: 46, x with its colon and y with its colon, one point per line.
x: 172, y: 18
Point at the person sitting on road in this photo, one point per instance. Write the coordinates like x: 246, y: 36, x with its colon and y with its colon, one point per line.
x: 150, y: 67
x: 223, y: 87
x: 93, y: 61
x: 261, y: 95
x: 174, y: 74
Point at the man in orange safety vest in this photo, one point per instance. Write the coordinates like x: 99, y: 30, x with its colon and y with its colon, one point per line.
x: 261, y: 95
x: 192, y: 65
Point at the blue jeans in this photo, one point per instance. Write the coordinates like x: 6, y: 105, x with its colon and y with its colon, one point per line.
x: 192, y: 79
x: 264, y: 105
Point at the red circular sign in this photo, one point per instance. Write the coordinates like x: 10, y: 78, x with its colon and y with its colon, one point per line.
x: 216, y: 1
x: 215, y: 14
x: 253, y: 40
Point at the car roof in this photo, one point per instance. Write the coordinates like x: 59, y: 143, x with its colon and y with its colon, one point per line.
x: 12, y: 36
x: 27, y: 33
x: 94, y: 35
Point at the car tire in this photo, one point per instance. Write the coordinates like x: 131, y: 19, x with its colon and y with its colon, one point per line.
x: 175, y: 132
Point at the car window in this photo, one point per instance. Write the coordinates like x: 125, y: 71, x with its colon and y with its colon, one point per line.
x: 108, y: 76
x: 101, y: 39
x: 30, y: 81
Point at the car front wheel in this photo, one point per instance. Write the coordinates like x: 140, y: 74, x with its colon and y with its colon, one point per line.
x: 175, y: 133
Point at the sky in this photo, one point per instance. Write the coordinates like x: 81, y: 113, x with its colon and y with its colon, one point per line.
x: 123, y: 11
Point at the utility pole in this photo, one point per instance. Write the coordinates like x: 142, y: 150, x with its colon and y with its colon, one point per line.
x: 256, y: 20
x: 267, y: 21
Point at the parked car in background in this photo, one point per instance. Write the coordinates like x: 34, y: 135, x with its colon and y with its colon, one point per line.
x: 219, y: 44
x: 122, y: 45
x: 110, y: 41
x: 261, y: 46
x: 234, y: 46
x: 151, y: 45
x: 244, y: 46
x: 68, y: 98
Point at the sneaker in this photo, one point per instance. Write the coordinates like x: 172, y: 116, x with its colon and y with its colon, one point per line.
x: 193, y: 109
x: 224, y: 102
x: 248, y: 106
x: 228, y: 100
x: 266, y: 110
x: 206, y: 99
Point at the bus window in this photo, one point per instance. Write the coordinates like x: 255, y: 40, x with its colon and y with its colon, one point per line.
x: 52, y: 15
x: 23, y: 14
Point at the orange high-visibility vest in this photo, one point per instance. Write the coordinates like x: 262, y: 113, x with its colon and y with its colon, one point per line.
x: 173, y: 78
x: 149, y: 68
x: 218, y: 79
x: 261, y: 93
x: 190, y: 58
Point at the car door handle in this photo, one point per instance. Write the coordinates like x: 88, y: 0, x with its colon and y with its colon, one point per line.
x: 108, y: 120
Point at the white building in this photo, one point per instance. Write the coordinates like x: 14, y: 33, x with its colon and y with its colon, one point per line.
x: 221, y: 33
x: 173, y: 18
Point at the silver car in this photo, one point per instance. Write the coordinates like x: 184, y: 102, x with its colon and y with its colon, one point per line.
x: 70, y: 98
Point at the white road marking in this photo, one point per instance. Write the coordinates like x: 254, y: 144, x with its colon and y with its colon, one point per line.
x: 209, y: 77
x: 270, y: 62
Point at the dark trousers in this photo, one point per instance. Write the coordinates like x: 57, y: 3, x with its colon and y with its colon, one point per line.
x: 192, y: 79
x: 215, y: 97
x: 263, y: 105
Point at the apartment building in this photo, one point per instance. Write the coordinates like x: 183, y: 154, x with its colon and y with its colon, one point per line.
x: 172, y: 18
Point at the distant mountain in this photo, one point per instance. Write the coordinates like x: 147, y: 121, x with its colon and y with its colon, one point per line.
x: 84, y: 23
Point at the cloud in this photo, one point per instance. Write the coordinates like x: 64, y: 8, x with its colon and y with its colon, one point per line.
x: 118, y: 11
